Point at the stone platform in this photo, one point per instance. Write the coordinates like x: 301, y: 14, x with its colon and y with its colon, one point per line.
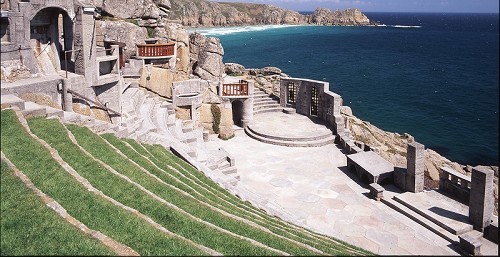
x: 442, y: 210
x: 289, y: 129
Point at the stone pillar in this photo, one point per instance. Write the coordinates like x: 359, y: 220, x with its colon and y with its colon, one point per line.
x: 67, y: 98
x: 415, y: 160
x: 481, y: 197
x: 85, y: 59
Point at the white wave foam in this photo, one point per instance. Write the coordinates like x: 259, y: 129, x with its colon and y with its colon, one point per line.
x: 404, y: 26
x: 232, y: 30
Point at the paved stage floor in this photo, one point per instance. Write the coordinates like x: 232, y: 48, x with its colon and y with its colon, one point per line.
x: 314, y: 188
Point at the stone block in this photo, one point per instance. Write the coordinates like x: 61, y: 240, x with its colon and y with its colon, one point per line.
x: 481, y: 202
x: 400, y: 178
x: 491, y: 231
x: 470, y: 242
x: 415, y: 160
x: 376, y: 191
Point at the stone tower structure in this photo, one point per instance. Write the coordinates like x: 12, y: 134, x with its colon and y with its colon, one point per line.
x: 415, y: 160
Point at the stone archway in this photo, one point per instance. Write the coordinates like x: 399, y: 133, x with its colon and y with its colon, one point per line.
x: 237, y: 108
x: 51, y: 34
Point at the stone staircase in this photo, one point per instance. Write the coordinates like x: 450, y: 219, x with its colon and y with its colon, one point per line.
x: 449, y: 228
x: 263, y: 102
x: 147, y: 118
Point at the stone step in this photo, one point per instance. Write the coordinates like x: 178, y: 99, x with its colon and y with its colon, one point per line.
x: 421, y: 220
x: 229, y: 170
x: 53, y: 112
x: 455, y: 227
x: 122, y: 132
x: 311, y: 143
x: 265, y: 106
x: 100, y: 126
x: 71, y: 117
x: 223, y: 165
x: 321, y: 134
x: 11, y: 101
x: 264, y: 102
x: 32, y: 109
x: 276, y: 109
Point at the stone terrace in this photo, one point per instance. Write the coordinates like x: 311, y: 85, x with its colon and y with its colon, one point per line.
x: 312, y: 187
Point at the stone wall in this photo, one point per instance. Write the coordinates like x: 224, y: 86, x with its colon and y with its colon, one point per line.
x: 329, y: 103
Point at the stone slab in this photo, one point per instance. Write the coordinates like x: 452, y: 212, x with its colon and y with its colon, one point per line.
x: 442, y: 210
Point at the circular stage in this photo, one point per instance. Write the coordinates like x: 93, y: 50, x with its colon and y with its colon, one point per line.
x: 294, y: 130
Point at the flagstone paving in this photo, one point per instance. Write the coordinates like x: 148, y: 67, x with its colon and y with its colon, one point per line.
x: 313, y: 185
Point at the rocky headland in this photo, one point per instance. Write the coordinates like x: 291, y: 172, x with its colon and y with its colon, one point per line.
x: 203, y: 13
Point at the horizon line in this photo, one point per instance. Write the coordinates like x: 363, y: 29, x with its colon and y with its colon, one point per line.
x: 406, y: 11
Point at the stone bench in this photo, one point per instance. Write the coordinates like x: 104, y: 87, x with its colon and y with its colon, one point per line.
x: 470, y: 242
x: 377, y: 191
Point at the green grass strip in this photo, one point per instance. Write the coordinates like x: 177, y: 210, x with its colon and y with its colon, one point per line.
x: 331, y: 246
x: 104, y: 152
x: 30, y: 228
x: 323, y: 243
x: 130, y: 195
x: 235, y: 226
x: 46, y: 174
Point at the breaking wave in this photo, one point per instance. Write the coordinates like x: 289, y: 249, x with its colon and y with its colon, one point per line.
x: 231, y: 30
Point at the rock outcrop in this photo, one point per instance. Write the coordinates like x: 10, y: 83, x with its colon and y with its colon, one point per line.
x: 206, y: 56
x: 122, y: 31
x: 267, y: 78
x: 324, y: 16
x: 12, y: 70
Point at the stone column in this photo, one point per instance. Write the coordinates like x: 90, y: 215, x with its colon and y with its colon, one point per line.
x: 415, y: 160
x: 84, y: 40
x: 481, y: 197
x: 67, y: 98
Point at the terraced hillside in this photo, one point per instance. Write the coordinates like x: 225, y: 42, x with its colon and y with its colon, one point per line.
x: 117, y: 196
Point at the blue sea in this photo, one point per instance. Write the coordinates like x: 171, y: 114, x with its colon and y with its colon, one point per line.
x: 434, y: 76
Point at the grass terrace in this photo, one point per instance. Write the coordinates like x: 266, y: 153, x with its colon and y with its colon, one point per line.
x: 147, y: 199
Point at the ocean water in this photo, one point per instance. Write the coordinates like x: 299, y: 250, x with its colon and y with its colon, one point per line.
x: 434, y: 76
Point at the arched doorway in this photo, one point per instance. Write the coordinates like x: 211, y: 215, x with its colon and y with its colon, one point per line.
x: 237, y: 108
x: 51, y: 34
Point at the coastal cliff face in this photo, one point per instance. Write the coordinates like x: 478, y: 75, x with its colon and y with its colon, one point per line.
x: 204, y: 13
x: 324, y: 16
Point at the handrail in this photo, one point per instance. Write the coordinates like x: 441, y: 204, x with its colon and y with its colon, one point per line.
x: 155, y: 50
x: 235, y: 89
x: 94, y: 102
x: 66, y: 59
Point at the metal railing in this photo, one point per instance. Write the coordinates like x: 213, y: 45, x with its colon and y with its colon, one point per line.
x: 94, y: 102
x: 155, y: 50
x: 235, y: 89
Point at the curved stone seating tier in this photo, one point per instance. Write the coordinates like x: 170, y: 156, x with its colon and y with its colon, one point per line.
x: 292, y: 130
x: 263, y: 103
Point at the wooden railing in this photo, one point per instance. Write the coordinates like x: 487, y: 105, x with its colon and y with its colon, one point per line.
x: 235, y: 89
x: 155, y: 50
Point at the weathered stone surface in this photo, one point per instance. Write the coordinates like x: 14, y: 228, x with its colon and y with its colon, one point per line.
x: 13, y: 70
x: 481, y: 198
x: 266, y: 71
x: 132, y: 9
x: 234, y: 68
x: 160, y: 80
x: 322, y: 16
x: 415, y: 160
x: 125, y: 32
x: 206, y: 56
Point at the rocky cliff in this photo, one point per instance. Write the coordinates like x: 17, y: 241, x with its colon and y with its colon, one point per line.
x: 205, y: 13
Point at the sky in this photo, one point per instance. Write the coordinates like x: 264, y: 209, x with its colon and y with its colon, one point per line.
x: 461, y: 6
